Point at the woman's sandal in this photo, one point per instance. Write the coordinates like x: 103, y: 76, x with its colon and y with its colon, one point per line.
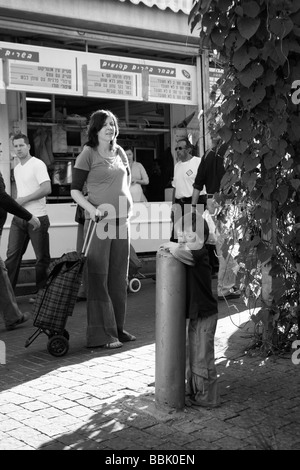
x: 115, y: 345
x: 125, y: 337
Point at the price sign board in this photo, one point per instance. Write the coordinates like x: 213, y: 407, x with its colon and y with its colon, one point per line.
x: 137, y: 79
x: 57, y: 71
x: 39, y: 69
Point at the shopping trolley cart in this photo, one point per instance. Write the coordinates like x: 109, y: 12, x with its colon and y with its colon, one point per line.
x: 56, y: 301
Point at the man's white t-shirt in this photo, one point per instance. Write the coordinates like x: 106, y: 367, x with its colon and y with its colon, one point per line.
x: 28, y: 178
x: 184, y: 177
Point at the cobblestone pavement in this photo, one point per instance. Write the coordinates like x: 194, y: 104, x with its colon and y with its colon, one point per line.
x: 99, y: 399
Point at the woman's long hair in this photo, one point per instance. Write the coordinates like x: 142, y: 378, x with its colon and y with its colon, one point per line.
x: 97, y: 121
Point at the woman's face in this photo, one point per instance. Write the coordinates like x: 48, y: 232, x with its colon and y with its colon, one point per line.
x: 129, y: 154
x: 108, y: 132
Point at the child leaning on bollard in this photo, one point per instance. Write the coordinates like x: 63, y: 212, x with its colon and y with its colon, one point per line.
x: 201, y: 310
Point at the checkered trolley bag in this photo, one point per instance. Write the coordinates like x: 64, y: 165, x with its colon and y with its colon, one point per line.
x: 56, y: 301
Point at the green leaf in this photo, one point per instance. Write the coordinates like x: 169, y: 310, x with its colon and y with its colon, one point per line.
x: 241, y: 58
x: 287, y: 164
x: 271, y: 160
x: 248, y: 26
x: 279, y: 125
x: 228, y: 105
x: 198, y: 10
x: 239, y: 146
x: 295, y: 183
x: 218, y: 36
x: 279, y: 145
x: 267, y: 189
x: 263, y: 150
x: 251, y: 163
x: 250, y: 180
x: 239, y: 11
x: 281, y: 27
x: 234, y: 40
x: 270, y: 77
x: 238, y: 159
x: 225, y: 133
x: 204, y: 5
x: 281, y: 194
x: 251, y: 97
x: 250, y: 74
x: 267, y: 50
x: 262, y: 214
x: 263, y: 254
x: 253, y: 52
x: 228, y: 86
x: 251, y: 9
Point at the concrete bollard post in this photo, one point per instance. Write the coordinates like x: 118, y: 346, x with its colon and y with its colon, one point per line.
x: 170, y: 331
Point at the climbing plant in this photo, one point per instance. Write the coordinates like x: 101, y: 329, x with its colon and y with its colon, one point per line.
x: 257, y: 45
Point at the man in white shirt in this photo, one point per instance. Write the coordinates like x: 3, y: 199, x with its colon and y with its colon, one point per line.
x: 33, y: 185
x: 185, y: 171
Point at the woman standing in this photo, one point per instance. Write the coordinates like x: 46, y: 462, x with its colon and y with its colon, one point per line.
x: 139, y: 177
x: 104, y: 167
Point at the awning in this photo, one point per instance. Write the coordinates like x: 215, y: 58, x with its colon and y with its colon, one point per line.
x: 174, y: 5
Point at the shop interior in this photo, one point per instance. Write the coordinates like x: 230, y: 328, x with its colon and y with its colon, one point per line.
x: 57, y: 131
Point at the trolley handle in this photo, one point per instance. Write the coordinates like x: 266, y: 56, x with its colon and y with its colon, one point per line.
x: 90, y: 233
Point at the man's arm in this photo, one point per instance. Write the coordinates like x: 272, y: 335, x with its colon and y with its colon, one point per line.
x: 10, y: 205
x: 200, y: 177
x: 43, y: 191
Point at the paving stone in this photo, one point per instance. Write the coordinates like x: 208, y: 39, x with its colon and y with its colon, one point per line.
x: 199, y: 444
x: 230, y: 443
x: 8, y: 424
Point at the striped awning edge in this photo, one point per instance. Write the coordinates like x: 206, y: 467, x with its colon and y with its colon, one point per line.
x: 175, y: 5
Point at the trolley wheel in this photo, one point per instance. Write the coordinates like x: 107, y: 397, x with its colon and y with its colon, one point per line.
x: 134, y: 284
x: 58, y: 345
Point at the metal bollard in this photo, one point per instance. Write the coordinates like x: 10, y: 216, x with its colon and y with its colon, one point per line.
x: 170, y: 331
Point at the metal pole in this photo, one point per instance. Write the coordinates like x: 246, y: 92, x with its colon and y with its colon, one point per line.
x: 170, y: 331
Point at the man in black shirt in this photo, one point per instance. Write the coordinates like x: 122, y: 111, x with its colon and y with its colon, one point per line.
x: 8, y: 304
x: 210, y: 172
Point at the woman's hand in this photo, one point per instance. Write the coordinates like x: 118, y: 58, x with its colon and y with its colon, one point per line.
x: 95, y: 215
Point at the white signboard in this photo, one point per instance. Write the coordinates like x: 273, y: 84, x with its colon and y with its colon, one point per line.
x: 39, y: 69
x: 138, y: 79
x: 57, y: 71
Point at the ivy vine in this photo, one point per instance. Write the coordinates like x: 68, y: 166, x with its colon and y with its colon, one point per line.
x: 257, y: 45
